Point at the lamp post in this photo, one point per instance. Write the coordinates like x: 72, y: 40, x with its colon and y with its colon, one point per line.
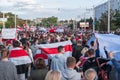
x: 108, y: 16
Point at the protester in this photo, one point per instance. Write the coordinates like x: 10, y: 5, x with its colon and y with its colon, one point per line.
x: 7, y: 69
x: 23, y: 39
x: 8, y: 44
x: 28, y: 50
x: 1, y: 47
x: 53, y: 75
x: 92, y: 45
x: 20, y: 58
x: 95, y: 45
x: 82, y: 59
x: 92, y: 62
x: 90, y: 74
x: 77, y: 50
x: 59, y: 61
x: 34, y: 47
x: 26, y: 47
x: 69, y: 73
x: 115, y: 62
x: 40, y: 70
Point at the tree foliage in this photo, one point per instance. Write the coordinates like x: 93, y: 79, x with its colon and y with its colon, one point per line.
x: 102, y: 23
x: 116, y: 19
x: 47, y: 22
x: 11, y: 20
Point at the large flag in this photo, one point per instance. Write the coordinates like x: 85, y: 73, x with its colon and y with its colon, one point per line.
x: 19, y: 56
x: 52, y: 49
x: 110, y: 41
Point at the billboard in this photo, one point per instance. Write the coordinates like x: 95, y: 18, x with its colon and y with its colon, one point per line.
x: 84, y: 24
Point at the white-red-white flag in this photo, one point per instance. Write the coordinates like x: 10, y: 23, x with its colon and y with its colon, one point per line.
x: 50, y: 50
x: 19, y: 56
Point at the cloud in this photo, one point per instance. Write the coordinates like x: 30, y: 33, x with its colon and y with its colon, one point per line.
x: 4, y: 3
x: 43, y: 8
x: 19, y: 6
x: 23, y: 1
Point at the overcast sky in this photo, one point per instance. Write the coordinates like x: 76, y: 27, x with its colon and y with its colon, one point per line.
x: 63, y: 9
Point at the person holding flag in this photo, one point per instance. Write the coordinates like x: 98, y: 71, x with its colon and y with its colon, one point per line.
x: 59, y: 61
x: 115, y: 62
x: 20, y: 58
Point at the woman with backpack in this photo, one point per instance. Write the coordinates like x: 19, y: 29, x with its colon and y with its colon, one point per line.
x: 96, y: 63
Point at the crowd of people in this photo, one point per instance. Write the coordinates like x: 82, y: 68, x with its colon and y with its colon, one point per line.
x: 17, y: 58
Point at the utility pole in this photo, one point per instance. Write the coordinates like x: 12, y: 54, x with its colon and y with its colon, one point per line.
x: 93, y: 19
x: 15, y: 20
x: 73, y: 24
x: 108, y: 16
x: 3, y: 20
x: 85, y: 21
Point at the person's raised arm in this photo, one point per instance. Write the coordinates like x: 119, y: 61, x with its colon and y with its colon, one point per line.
x: 106, y: 52
x: 115, y: 62
x: 95, y: 43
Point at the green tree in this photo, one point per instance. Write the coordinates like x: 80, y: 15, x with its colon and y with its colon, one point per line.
x: 103, y: 22
x: 71, y: 24
x: 114, y: 20
x: 11, y: 20
x: 47, y: 22
x: 90, y: 20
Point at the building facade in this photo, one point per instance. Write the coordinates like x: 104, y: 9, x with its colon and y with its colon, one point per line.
x: 114, y: 4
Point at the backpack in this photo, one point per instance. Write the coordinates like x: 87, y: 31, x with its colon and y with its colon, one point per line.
x: 102, y: 75
x: 90, y: 63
